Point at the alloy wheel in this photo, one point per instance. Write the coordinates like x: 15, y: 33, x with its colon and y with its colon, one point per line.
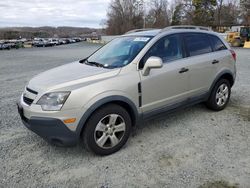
x: 222, y: 94
x: 109, y: 131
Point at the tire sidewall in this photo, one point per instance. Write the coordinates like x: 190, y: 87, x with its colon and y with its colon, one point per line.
x: 212, y: 99
x: 90, y: 127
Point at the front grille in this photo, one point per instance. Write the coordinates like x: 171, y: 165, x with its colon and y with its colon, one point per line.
x: 28, y: 101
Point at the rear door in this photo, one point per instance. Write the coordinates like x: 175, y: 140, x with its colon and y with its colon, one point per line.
x: 221, y: 54
x: 201, y: 63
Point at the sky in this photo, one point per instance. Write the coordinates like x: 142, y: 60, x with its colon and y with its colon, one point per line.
x: 76, y: 13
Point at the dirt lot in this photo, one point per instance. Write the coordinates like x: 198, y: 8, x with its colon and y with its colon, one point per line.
x: 192, y: 148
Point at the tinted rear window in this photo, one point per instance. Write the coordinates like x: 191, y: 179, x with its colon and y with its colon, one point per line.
x: 197, y: 44
x: 217, y: 44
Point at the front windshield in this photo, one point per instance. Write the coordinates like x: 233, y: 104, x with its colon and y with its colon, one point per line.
x: 119, y: 52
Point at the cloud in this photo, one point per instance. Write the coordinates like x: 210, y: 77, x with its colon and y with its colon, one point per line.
x: 79, y: 13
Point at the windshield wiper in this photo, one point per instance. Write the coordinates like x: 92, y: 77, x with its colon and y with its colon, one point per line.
x: 94, y: 63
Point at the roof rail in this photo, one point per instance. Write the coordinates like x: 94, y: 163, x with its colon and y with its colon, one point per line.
x: 186, y: 27
x: 139, y: 30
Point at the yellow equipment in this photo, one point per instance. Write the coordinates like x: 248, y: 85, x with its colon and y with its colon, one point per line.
x: 247, y: 44
x: 242, y: 38
x: 234, y: 39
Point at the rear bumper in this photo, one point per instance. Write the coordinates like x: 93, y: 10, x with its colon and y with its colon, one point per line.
x: 51, y: 129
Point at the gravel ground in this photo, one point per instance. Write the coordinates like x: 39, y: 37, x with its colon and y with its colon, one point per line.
x: 193, y: 147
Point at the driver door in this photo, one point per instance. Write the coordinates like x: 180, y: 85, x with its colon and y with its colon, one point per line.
x: 168, y: 85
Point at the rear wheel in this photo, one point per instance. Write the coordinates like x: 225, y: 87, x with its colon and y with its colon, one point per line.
x: 220, y: 95
x: 107, y: 130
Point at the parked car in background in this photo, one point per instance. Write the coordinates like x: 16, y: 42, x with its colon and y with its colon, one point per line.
x: 50, y: 43
x: 11, y: 44
x: 39, y: 43
x: 53, y: 42
x: 77, y: 39
x: 67, y: 41
x: 71, y: 40
x: 43, y: 43
x: 5, y: 46
x: 62, y: 41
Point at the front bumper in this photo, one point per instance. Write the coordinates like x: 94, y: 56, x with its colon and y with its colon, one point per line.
x: 51, y: 129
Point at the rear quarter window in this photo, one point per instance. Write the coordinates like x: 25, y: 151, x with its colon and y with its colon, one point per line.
x: 217, y: 44
x: 197, y: 44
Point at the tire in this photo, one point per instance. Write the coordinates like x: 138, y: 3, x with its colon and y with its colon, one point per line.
x: 219, y: 96
x: 107, y: 130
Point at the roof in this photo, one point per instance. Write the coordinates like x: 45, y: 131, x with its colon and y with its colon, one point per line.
x: 154, y: 32
x: 150, y: 32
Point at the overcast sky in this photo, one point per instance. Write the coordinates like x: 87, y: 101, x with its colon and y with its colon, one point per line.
x: 79, y: 13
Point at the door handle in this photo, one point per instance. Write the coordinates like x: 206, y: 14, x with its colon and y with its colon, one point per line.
x: 215, y: 61
x: 183, y: 70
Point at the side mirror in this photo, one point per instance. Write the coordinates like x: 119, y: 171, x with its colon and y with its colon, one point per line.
x: 151, y: 63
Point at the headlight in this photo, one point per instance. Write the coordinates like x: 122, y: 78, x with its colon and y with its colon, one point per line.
x: 53, y: 101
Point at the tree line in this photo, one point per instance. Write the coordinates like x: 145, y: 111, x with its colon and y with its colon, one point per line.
x: 125, y: 15
x: 45, y: 32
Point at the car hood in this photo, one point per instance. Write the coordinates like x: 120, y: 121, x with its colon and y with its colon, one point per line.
x: 69, y: 75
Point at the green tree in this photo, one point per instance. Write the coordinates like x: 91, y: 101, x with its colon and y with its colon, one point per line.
x: 177, y: 15
x: 203, y: 12
x: 245, y: 9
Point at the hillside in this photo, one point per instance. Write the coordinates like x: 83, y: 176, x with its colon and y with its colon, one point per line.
x: 31, y: 32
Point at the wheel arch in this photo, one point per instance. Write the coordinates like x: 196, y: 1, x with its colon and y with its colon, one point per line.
x: 223, y: 75
x: 119, y: 100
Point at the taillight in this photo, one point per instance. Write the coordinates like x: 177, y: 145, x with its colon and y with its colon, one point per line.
x: 233, y: 54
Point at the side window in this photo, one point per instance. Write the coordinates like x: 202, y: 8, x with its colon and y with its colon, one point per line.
x: 167, y: 48
x: 197, y: 44
x: 217, y: 44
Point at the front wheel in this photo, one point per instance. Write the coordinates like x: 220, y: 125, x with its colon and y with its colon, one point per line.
x: 220, y: 95
x: 107, y: 130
